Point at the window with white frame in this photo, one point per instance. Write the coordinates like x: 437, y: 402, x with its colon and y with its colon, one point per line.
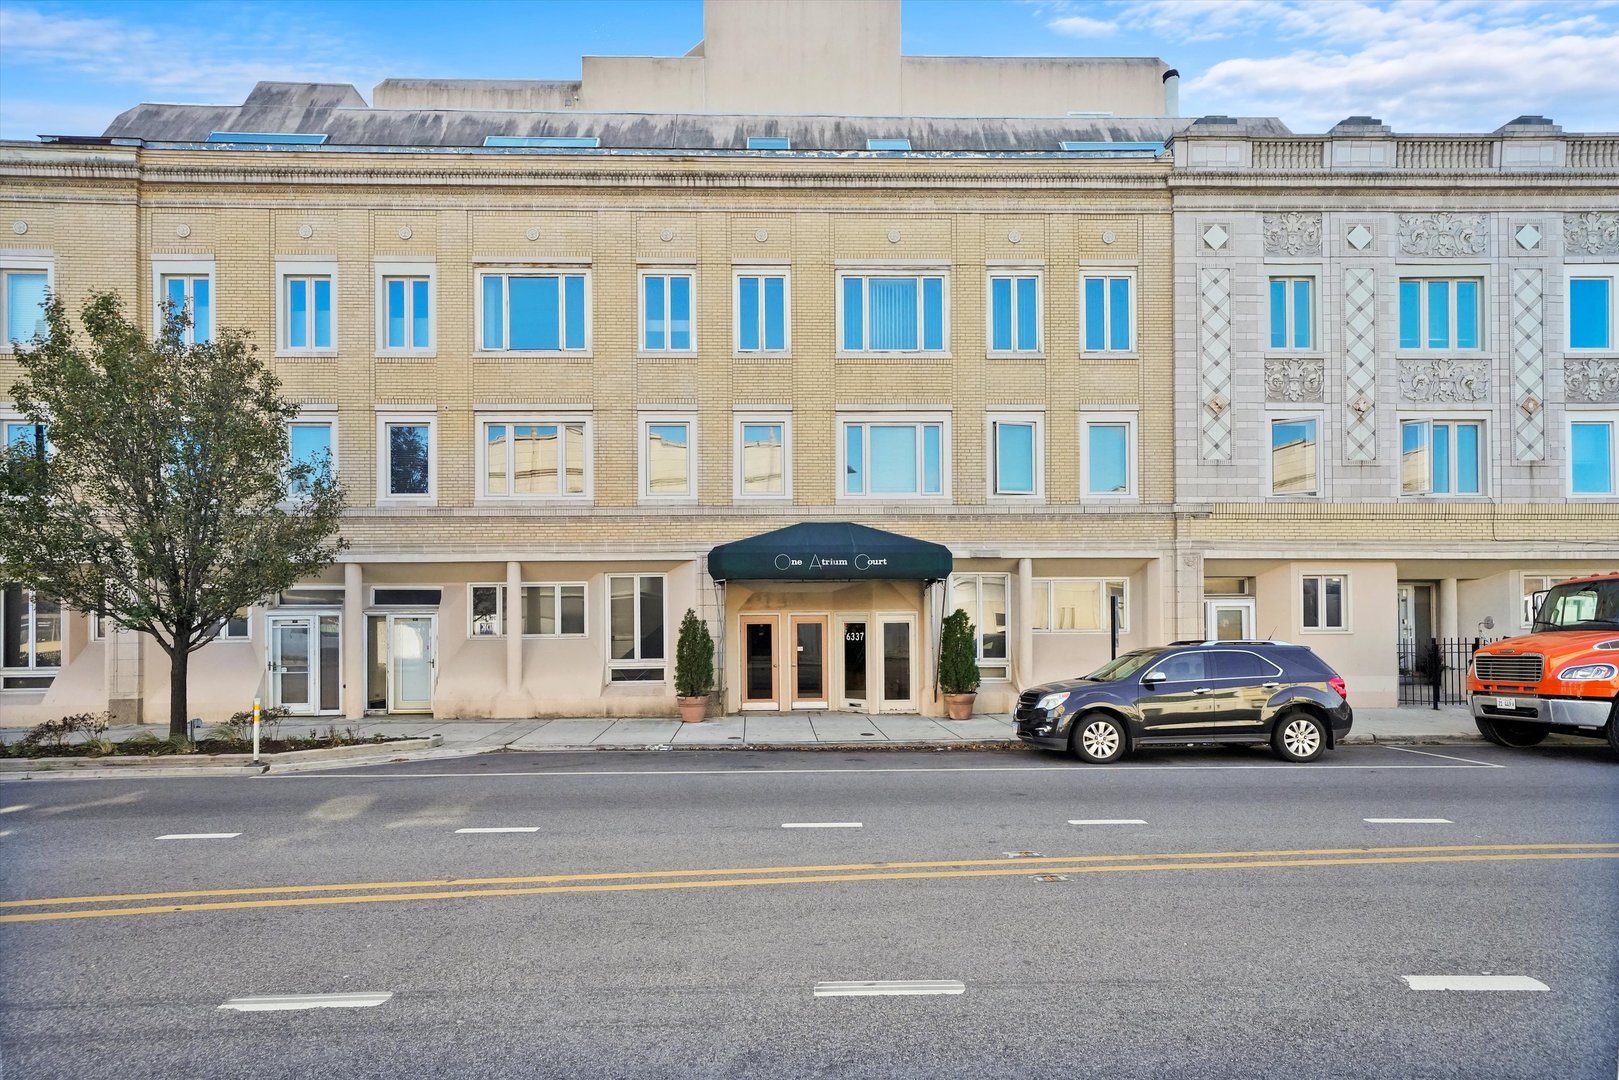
x: 762, y: 317
x: 1593, y: 443
x: 534, y: 457
x: 533, y: 311
x: 1591, y: 306
x: 1014, y: 313
x: 239, y: 627
x: 1441, y: 457
x: 554, y: 609
x: 636, y: 621
x: 762, y: 457
x: 1107, y: 448
x: 892, y: 312
x: 406, y: 321
x: 190, y: 294
x: 668, y: 457
x: 311, y: 449
x: 1078, y: 605
x: 307, y: 306
x: 1017, y: 451
x: 30, y: 639
x: 1292, y: 313
x: 406, y: 468
x: 486, y: 610
x: 1532, y: 584
x: 26, y: 436
x: 667, y: 323
x: 1440, y: 313
x: 1324, y: 600
x: 984, y: 598
x: 1107, y: 305
x: 883, y: 456
x: 1295, y: 456
x: 22, y: 307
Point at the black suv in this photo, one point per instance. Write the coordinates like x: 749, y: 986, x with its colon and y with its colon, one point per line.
x: 1193, y: 692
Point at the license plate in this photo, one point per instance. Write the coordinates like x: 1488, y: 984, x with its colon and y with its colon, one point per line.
x: 1506, y: 703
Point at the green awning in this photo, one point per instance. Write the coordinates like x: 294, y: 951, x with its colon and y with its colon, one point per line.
x: 829, y: 551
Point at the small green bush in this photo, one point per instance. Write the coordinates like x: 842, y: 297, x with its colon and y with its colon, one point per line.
x: 958, y: 656
x: 60, y: 732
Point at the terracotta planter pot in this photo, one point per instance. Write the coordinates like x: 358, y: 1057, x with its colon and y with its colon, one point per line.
x: 693, y: 709
x: 959, y: 706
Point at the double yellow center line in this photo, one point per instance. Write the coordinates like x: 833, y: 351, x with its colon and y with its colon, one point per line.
x: 376, y: 892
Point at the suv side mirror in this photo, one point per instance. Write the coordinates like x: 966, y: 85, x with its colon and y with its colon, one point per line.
x: 1153, y: 678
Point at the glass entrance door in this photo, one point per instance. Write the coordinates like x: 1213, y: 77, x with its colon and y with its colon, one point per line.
x: 410, y: 668
x: 896, y: 641
x: 809, y: 662
x: 292, y: 662
x: 759, y: 663
x: 1230, y: 620
x: 855, y: 639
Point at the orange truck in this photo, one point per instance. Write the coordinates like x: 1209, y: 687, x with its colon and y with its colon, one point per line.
x: 1563, y: 676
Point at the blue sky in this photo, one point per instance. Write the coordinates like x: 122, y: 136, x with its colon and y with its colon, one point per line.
x: 1421, y: 65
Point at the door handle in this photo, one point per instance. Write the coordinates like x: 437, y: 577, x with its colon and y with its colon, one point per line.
x: 1204, y: 690
x: 1269, y: 685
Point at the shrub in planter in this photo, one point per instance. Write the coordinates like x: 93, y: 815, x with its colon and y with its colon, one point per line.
x: 958, y: 665
x: 694, y: 667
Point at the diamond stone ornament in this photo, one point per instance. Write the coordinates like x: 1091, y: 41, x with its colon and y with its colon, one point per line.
x: 1215, y: 237
x: 1528, y: 237
x: 1359, y: 237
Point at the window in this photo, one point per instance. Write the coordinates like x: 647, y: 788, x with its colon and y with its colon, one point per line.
x: 533, y: 312
x: 1232, y: 664
x: 888, y: 144
x: 24, y: 304
x: 1593, y: 440
x: 239, y: 627
x: 1109, y: 312
x: 1295, y: 457
x: 761, y: 312
x: 1014, y: 313
x: 25, y: 433
x: 1324, y: 603
x: 1016, y: 453
x: 278, y: 138
x: 557, y: 610
x: 30, y: 639
x: 307, y: 309
x: 566, y: 142
x: 405, y: 322
x: 666, y: 315
x: 536, y: 458
x: 1590, y: 308
x: 1112, y: 149
x: 193, y: 295
x: 892, y: 457
x: 1439, y: 313
x: 406, y: 468
x: 762, y: 457
x: 1292, y: 313
x: 1441, y: 457
x: 983, y: 597
x: 1078, y: 605
x: 1532, y: 584
x: 486, y: 611
x: 892, y: 313
x: 635, y: 619
x: 668, y: 464
x: 1107, y: 456
x: 310, y: 444
x: 769, y: 142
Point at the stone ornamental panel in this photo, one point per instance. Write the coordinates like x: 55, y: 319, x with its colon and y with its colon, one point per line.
x: 1444, y: 380
x: 1444, y: 235
x: 1592, y: 380
x: 1591, y: 234
x: 1214, y: 356
x: 1292, y: 234
x: 1360, y: 364
x: 1528, y: 365
x: 1293, y: 379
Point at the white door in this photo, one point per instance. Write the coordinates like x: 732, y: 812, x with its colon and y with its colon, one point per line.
x: 410, y: 663
x: 293, y: 663
x: 1230, y: 620
x: 896, y: 663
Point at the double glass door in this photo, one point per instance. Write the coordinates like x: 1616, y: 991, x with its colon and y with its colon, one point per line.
x: 860, y: 663
x: 401, y: 662
x: 304, y: 661
x: 878, y: 663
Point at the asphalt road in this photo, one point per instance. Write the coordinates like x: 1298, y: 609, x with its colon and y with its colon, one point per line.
x: 1236, y: 917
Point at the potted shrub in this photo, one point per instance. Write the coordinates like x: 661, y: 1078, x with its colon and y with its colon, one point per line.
x: 694, y: 667
x: 958, y: 666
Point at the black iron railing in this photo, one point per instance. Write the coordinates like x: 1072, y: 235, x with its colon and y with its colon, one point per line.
x: 1434, y: 672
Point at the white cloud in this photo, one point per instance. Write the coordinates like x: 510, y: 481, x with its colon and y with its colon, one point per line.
x: 1081, y: 26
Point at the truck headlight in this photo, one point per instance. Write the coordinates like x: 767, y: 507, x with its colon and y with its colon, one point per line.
x: 1588, y: 673
x: 1051, y: 701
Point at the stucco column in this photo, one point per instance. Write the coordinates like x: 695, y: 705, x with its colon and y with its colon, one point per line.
x: 353, y: 641
x: 1447, y: 627
x: 514, y: 700
x: 1023, y: 659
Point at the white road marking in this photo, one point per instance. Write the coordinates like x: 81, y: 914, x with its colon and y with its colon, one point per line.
x: 14, y: 809
x: 1107, y: 821
x: 510, y: 828
x: 1447, y: 757
x: 1473, y: 982
x: 888, y: 987
x: 1408, y: 821
x: 822, y: 825
x: 287, y: 1002
x: 199, y: 836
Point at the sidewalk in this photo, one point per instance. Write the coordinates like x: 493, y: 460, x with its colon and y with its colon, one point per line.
x: 831, y: 730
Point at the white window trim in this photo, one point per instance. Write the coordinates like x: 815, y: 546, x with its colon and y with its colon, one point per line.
x: 1014, y: 272
x: 1582, y: 416
x: 401, y: 268
x: 297, y: 268
x: 310, y: 415
x: 892, y: 271
x: 738, y: 272
x: 1482, y: 419
x: 557, y: 270
x: 1284, y: 272
x: 943, y: 419
x: 1102, y: 583
x: 1132, y: 492
x: 500, y: 609
x: 482, y: 419
x: 678, y: 270
x: 643, y: 422
x: 637, y: 662
x: 23, y: 263
x: 1298, y: 599
x: 384, y: 419
x: 164, y: 266
x: 1551, y: 577
x: 992, y: 481
x: 247, y: 635
x: 32, y: 647
x: 1610, y: 271
x: 557, y: 612
x: 1425, y: 273
x: 977, y: 619
x: 739, y: 420
x: 1274, y: 418
x: 1105, y: 271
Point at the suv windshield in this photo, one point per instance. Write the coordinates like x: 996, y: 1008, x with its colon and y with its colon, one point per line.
x: 1124, y: 666
x: 1580, y: 605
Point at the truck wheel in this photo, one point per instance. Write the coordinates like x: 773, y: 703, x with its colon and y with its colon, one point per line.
x: 1513, y: 733
x: 1613, y: 727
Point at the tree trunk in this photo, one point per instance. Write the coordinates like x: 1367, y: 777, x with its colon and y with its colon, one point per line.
x: 179, y: 661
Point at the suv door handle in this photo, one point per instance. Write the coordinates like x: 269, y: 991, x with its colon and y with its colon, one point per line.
x: 1269, y: 685
x: 1204, y: 690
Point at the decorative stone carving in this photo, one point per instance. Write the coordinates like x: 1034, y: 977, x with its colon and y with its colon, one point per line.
x: 1444, y: 380
x: 1015, y: 237
x: 1215, y: 237
x: 1292, y: 233
x: 1592, y: 379
x: 893, y: 236
x: 1360, y: 363
x: 1528, y: 364
x: 1214, y: 362
x: 19, y: 227
x: 761, y: 235
x: 666, y: 235
x: 1108, y: 237
x: 532, y: 234
x: 1592, y: 233
x: 1359, y: 236
x: 405, y: 232
x: 1293, y: 380
x: 306, y: 231
x: 1443, y: 235
x: 182, y: 230
x: 1527, y: 237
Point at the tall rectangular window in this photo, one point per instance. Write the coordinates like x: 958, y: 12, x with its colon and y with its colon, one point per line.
x: 193, y: 295
x: 666, y: 313
x: 668, y: 464
x: 984, y: 598
x: 1108, y: 454
x: 534, y: 312
x: 535, y: 458
x: 1295, y: 459
x: 761, y: 457
x: 1593, y: 454
x: 310, y: 443
x: 882, y: 457
x: 306, y: 312
x: 636, y: 622
x: 1323, y: 601
x: 1590, y: 311
x: 761, y: 313
x: 408, y: 312
x: 23, y: 308
x: 554, y: 610
x: 1015, y: 448
x: 1440, y: 313
x: 406, y: 454
x: 1078, y: 605
x: 1292, y: 313
x: 1441, y: 457
x: 892, y: 313
x: 1014, y: 313
x: 486, y: 610
x: 30, y: 639
x: 1109, y: 312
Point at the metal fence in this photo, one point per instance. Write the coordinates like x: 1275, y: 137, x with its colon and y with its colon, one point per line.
x: 1434, y: 672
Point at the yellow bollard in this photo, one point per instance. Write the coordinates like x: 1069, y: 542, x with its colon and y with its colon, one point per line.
x: 255, y: 730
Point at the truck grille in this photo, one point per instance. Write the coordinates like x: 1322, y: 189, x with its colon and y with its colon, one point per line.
x: 1510, y: 669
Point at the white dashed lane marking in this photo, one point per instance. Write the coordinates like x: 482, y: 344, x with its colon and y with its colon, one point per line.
x: 509, y: 828
x: 14, y: 809
x: 199, y: 836
x: 289, y: 1002
x: 1408, y: 821
x: 1473, y: 982
x: 889, y: 988
x: 1107, y: 821
x: 822, y: 825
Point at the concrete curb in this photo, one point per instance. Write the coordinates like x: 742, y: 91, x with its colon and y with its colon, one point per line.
x: 209, y: 764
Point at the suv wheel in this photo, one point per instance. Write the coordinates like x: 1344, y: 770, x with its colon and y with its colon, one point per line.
x: 1513, y: 733
x: 1098, y: 738
x: 1299, y: 736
